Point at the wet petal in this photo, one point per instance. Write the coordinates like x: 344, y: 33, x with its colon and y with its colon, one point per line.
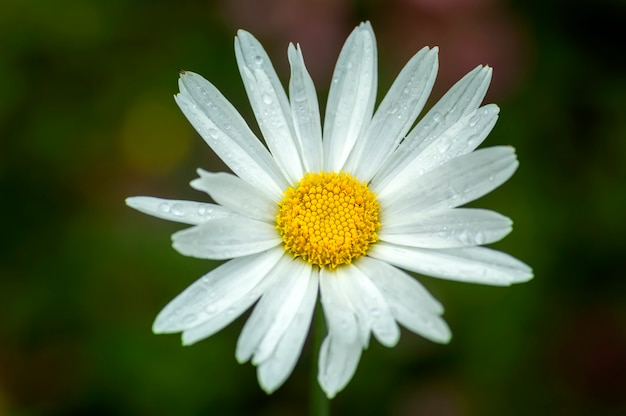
x: 446, y: 228
x: 215, y: 292
x: 459, y: 139
x: 305, y: 112
x: 410, y: 303
x: 370, y: 304
x: 463, y: 98
x: 187, y: 212
x: 226, y: 132
x: 395, y: 115
x: 237, y: 195
x: 269, y: 103
x: 351, y: 97
x: 226, y: 238
x: 337, y: 364
x: 469, y: 264
x: 274, y: 371
x: 455, y: 183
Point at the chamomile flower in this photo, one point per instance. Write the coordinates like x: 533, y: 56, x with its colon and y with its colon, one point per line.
x: 344, y: 210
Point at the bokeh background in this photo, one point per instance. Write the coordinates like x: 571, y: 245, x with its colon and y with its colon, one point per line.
x: 87, y: 118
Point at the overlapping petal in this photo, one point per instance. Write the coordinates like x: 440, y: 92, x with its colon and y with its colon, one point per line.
x: 463, y: 98
x: 237, y: 195
x: 215, y: 292
x: 395, y: 115
x: 269, y: 103
x: 305, y: 112
x: 455, y: 183
x: 225, y: 131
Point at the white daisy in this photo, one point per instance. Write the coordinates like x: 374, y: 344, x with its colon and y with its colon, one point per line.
x: 345, y: 209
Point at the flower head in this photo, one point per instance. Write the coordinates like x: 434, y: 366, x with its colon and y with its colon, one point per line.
x: 344, y: 210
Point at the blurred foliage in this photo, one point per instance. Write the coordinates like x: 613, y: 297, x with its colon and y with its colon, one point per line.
x: 87, y: 118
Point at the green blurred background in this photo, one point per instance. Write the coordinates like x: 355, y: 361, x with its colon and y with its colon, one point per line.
x: 87, y: 118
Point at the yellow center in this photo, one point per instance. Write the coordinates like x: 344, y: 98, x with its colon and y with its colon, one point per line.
x: 328, y: 219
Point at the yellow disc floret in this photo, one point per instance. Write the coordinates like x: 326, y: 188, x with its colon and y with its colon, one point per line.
x: 328, y: 219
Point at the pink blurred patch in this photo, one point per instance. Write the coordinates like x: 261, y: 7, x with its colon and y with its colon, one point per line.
x: 320, y: 26
x: 468, y: 33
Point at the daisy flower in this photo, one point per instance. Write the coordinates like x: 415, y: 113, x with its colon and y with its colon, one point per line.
x: 343, y: 210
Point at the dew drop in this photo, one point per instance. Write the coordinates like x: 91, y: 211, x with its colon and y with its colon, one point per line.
x: 214, y: 133
x: 258, y: 60
x: 443, y: 146
x: 211, y: 309
x: 437, y: 117
x: 188, y: 319
x: 473, y: 121
x: 202, y: 210
x: 480, y: 238
x: 230, y: 311
x: 164, y: 207
x: 267, y: 99
x: 178, y: 209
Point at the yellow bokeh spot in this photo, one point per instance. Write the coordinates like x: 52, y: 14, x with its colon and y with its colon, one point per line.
x: 154, y: 137
x: 328, y: 219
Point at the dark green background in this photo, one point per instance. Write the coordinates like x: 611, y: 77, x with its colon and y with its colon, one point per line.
x: 87, y: 118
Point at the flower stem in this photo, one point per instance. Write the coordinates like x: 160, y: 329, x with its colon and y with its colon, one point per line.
x: 320, y: 404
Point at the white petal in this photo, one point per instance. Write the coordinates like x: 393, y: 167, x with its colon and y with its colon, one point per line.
x: 411, y: 304
x: 273, y: 372
x: 215, y: 292
x: 351, y: 97
x: 340, y: 316
x: 236, y: 194
x: 226, y: 238
x: 275, y: 310
x: 446, y: 228
x: 397, y: 286
x: 470, y: 264
x: 337, y: 364
x: 370, y: 305
x: 457, y: 182
x: 187, y: 212
x: 225, y: 131
x: 463, y: 98
x: 269, y: 103
x: 460, y: 138
x: 395, y: 115
x: 305, y: 112
x: 239, y: 303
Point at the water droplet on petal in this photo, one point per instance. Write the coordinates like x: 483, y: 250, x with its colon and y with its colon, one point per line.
x: 188, y: 319
x: 258, y: 60
x: 472, y: 121
x: 437, y: 117
x: 178, y: 209
x: 214, y: 133
x: 443, y: 146
x: 164, y: 207
x: 267, y: 99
